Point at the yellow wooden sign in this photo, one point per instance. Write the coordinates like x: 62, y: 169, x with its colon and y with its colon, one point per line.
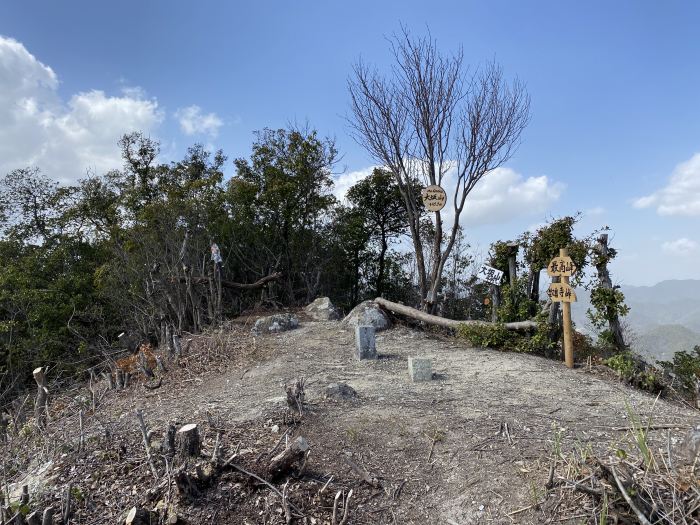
x: 561, y: 293
x: 434, y: 198
x: 561, y: 266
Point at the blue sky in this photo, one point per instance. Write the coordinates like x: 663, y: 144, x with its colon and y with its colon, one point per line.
x: 614, y: 88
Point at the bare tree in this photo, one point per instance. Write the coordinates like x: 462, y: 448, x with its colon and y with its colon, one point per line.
x: 429, y: 117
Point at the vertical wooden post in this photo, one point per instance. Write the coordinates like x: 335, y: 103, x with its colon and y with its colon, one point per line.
x: 42, y: 395
x: 566, y: 311
x: 512, y: 263
x: 495, y: 302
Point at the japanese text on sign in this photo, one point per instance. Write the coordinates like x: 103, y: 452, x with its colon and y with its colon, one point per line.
x: 561, y: 293
x: 434, y: 198
x: 561, y: 266
x: 490, y: 275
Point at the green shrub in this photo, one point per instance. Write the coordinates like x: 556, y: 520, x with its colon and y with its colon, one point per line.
x: 498, y: 336
x: 623, y: 364
x: 493, y: 336
x: 635, y: 372
x: 686, y: 367
x: 515, y: 304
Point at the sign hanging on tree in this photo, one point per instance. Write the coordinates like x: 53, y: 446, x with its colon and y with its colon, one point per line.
x: 490, y: 275
x: 434, y: 198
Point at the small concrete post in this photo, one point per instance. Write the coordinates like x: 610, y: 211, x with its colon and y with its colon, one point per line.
x: 364, y: 339
x: 420, y: 369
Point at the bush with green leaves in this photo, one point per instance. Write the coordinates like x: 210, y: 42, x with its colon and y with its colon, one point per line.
x: 487, y: 336
x: 498, y: 336
x: 633, y: 370
x: 685, y: 366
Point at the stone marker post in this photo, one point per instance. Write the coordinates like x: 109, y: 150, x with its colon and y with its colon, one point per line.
x: 420, y: 369
x: 364, y: 339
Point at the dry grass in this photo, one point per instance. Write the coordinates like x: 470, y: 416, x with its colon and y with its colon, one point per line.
x: 640, y: 478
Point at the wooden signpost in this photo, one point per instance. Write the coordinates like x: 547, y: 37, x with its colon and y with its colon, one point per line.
x: 563, y: 267
x: 434, y: 198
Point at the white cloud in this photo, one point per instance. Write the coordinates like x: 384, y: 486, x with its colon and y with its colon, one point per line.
x: 681, y: 196
x: 347, y: 180
x: 503, y: 195
x: 592, y: 212
x: 682, y: 246
x: 193, y: 121
x: 64, y: 139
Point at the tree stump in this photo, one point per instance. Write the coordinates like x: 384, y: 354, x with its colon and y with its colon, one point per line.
x: 138, y: 516
x: 187, y: 443
x: 34, y: 518
x: 42, y: 397
x: 283, y: 461
x: 119, y: 374
x: 168, y: 446
x: 47, y: 518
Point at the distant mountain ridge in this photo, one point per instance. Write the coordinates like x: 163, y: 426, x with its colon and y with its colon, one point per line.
x: 663, y: 319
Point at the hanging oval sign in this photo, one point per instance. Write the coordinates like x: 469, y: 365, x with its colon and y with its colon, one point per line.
x: 434, y: 198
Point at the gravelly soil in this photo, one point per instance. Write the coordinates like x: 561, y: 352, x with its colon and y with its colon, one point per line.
x: 470, y: 446
x: 477, y: 471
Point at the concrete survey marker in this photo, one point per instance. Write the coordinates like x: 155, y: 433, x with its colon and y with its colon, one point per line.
x: 365, y: 342
x: 420, y: 369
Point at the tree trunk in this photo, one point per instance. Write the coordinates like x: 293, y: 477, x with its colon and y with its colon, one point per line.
x: 512, y: 265
x: 495, y: 302
x: 382, y: 262
x: 447, y: 323
x: 602, y: 251
x: 535, y: 284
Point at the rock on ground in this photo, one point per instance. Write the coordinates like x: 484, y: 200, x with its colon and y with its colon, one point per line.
x: 340, y: 391
x: 322, y: 309
x: 275, y: 323
x: 368, y: 313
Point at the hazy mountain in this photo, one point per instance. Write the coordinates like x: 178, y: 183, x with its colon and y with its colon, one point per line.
x: 665, y: 340
x: 663, y: 319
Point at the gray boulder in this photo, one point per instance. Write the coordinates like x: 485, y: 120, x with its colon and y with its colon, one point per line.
x: 322, y: 309
x: 368, y: 313
x: 340, y: 391
x: 275, y: 323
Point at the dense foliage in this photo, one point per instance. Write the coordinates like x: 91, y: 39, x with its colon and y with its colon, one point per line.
x: 131, y: 250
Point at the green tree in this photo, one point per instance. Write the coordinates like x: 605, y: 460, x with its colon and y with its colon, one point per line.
x: 290, y: 173
x: 377, y: 199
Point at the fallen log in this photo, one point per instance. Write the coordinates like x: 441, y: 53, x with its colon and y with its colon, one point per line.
x: 447, y: 323
x: 238, y: 286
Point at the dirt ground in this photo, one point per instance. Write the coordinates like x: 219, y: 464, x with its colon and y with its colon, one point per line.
x: 470, y: 446
x: 475, y: 472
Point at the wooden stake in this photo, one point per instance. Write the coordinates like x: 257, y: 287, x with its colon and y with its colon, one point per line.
x: 42, y: 396
x: 566, y: 311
